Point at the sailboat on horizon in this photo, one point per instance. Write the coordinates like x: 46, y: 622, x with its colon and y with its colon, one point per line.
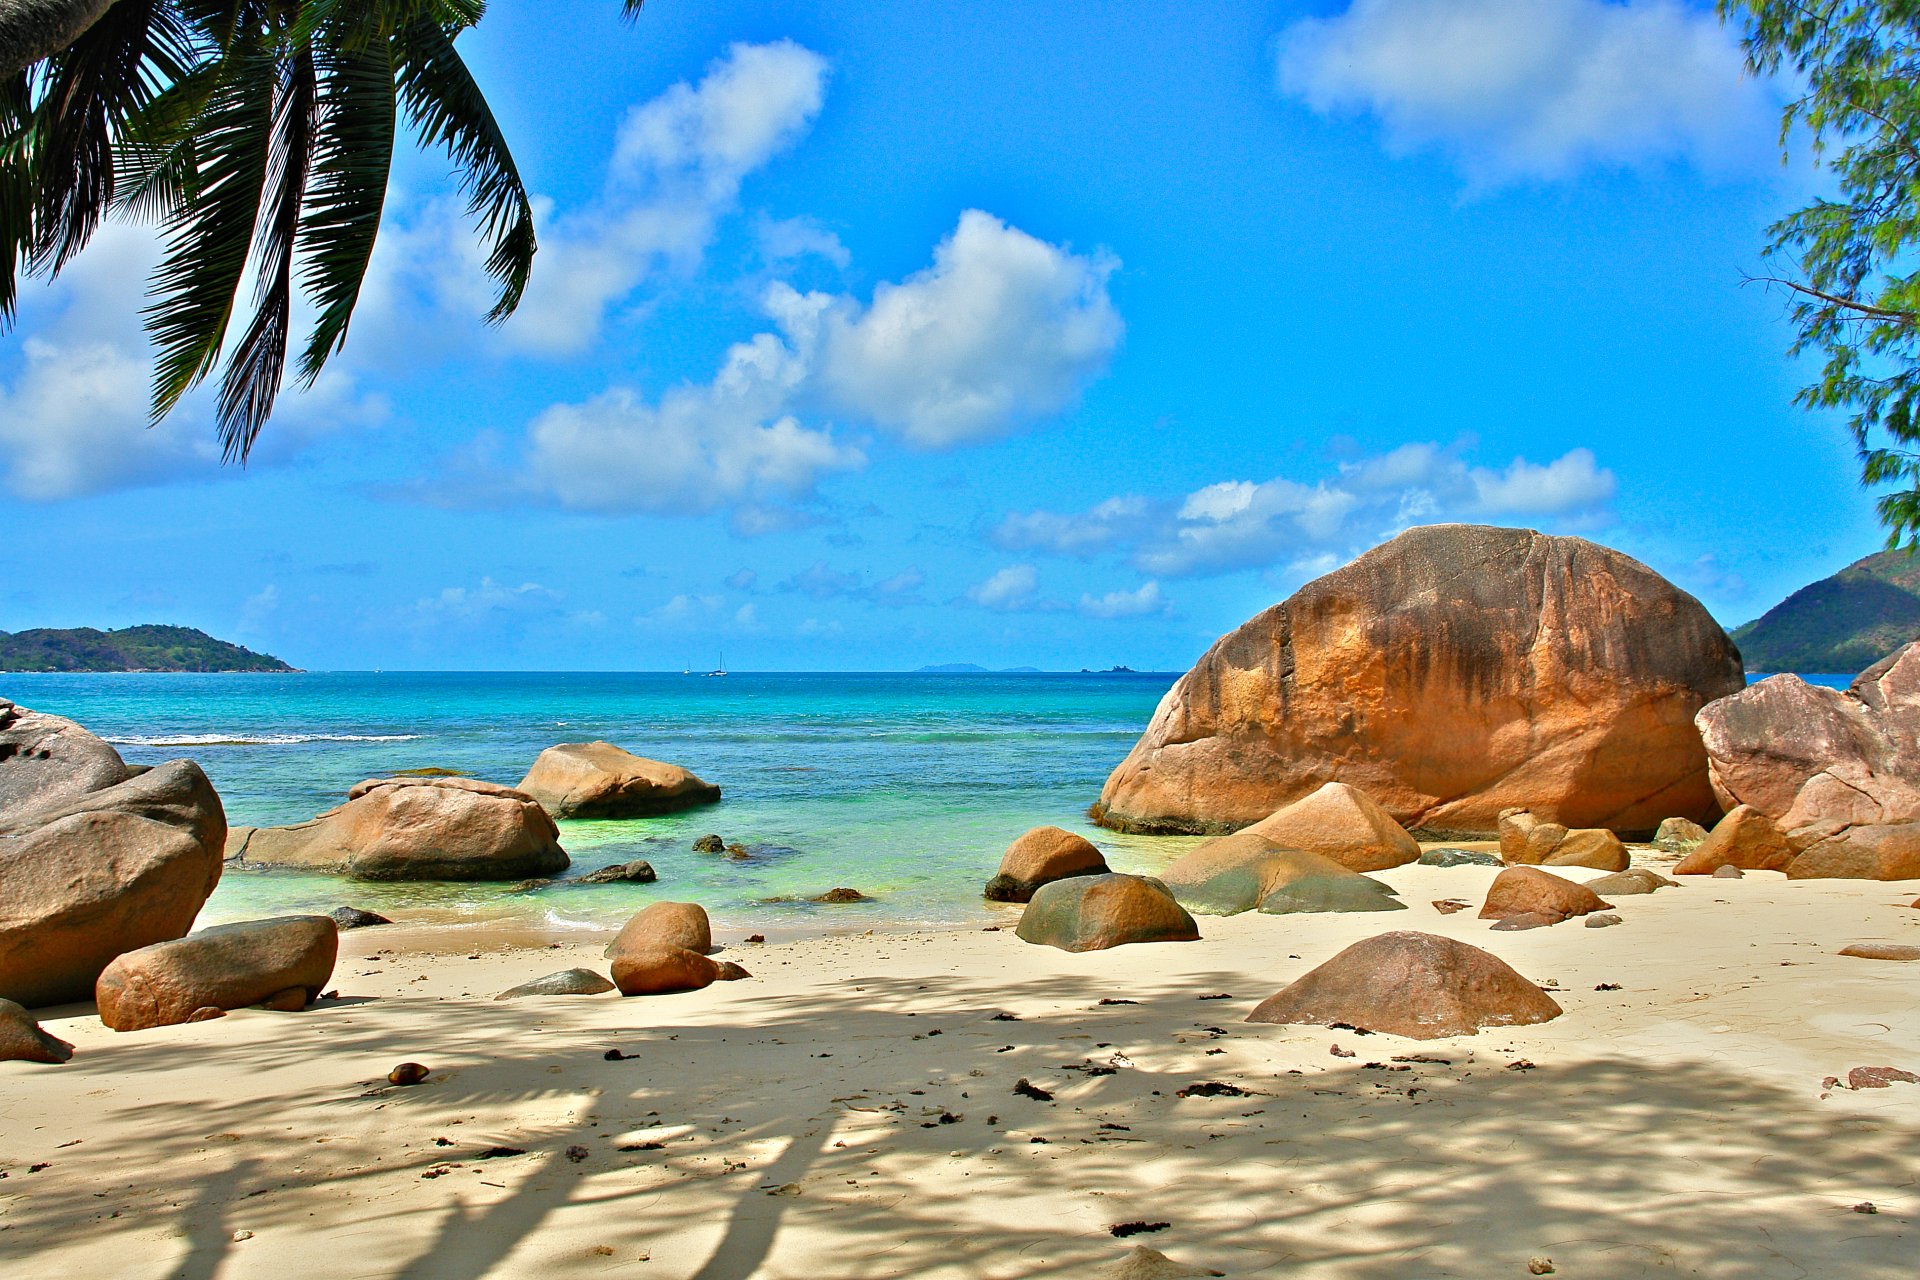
x: 722, y: 668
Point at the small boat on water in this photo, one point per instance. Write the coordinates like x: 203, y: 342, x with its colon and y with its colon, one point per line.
x: 722, y: 668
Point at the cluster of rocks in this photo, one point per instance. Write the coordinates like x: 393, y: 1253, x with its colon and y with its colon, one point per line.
x: 664, y: 948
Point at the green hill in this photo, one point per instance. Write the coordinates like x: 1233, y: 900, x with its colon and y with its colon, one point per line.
x: 1841, y: 624
x: 146, y: 648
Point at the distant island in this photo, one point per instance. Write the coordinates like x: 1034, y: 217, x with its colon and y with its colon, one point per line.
x: 143, y: 648
x: 1841, y: 624
x: 973, y: 669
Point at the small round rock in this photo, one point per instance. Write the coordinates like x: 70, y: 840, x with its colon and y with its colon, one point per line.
x: 1729, y: 873
x: 1603, y: 920
x: 408, y: 1073
x: 1540, y: 1266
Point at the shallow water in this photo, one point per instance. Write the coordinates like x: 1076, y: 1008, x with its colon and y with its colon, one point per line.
x: 905, y: 787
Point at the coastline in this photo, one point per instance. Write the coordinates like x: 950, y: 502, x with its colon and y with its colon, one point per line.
x: 1676, y: 1125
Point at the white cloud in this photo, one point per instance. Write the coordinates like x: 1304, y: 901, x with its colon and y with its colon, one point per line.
x: 1002, y: 329
x: 1244, y: 524
x: 1011, y: 589
x: 790, y: 239
x: 1138, y: 603
x: 489, y: 602
x: 818, y: 582
x: 1536, y: 88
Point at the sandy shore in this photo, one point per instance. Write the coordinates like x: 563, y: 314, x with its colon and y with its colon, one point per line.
x: 851, y: 1111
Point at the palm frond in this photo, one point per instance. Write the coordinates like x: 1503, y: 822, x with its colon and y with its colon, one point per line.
x: 156, y: 160
x: 448, y: 109
x: 16, y: 189
x: 353, y: 153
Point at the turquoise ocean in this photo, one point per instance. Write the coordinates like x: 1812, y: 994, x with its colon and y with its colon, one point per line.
x: 905, y: 787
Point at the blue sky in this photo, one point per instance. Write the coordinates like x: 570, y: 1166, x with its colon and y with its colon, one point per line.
x: 1045, y: 334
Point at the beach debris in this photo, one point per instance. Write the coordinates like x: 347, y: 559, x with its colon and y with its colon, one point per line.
x: 1341, y: 822
x: 567, y: 982
x: 1628, y: 883
x: 1879, y: 1077
x: 1729, y: 873
x: 1449, y: 906
x: 1607, y: 986
x: 1106, y: 1000
x: 286, y: 960
x: 1125, y: 1229
x: 1866, y: 1206
x: 414, y: 829
x: 1880, y: 951
x: 22, y: 1040
x: 639, y: 871
x: 1522, y: 1064
x: 1218, y: 995
x: 1092, y: 913
x: 1603, y: 920
x: 709, y: 844
x: 240, y: 1237
x: 577, y: 1153
x: 355, y: 918
x: 1527, y: 841
x: 500, y: 1153
x: 1338, y: 1052
x: 615, y: 1055
x: 1005, y: 1017
x: 1450, y: 857
x: 1540, y: 1266
x: 784, y: 1189
x: 1418, y: 985
x: 756, y: 938
x: 409, y: 1073
x: 1212, y: 1089
x: 1041, y: 856
x: 600, y: 780
x: 1025, y: 1088
x: 1530, y: 891
x: 1142, y: 1263
x: 841, y: 896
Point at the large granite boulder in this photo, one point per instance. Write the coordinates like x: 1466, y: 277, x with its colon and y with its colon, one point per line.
x: 1342, y: 823
x: 1529, y: 891
x: 89, y: 876
x: 1092, y: 913
x: 23, y: 1040
x: 681, y: 925
x: 659, y: 970
x: 1041, y: 856
x: 1245, y: 872
x: 1801, y: 753
x: 284, y: 962
x: 600, y: 780
x: 1877, y: 851
x: 1454, y: 672
x: 1417, y: 985
x: 1527, y: 841
x: 1746, y: 838
x: 46, y: 760
x: 415, y: 829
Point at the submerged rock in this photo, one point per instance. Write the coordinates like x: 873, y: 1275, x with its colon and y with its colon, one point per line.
x: 286, y: 960
x: 600, y: 780
x: 355, y: 918
x: 1342, y: 823
x: 1041, y: 856
x: 567, y: 982
x: 1411, y: 984
x: 841, y: 896
x: 23, y: 1040
x: 1092, y: 913
x: 709, y: 844
x: 458, y: 829
x: 1524, y: 670
x: 636, y: 872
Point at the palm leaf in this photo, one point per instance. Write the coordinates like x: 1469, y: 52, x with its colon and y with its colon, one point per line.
x: 16, y: 189
x: 447, y: 108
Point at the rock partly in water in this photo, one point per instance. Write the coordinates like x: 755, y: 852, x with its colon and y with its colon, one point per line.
x: 1678, y: 835
x: 1746, y: 838
x: 414, y: 829
x: 355, y: 918
x: 1411, y: 984
x: 840, y: 896
x: 1091, y: 913
x: 679, y: 925
x: 1448, y: 857
x: 637, y: 872
x: 230, y: 966
x: 1531, y: 891
x: 709, y: 844
x: 1449, y: 674
x: 567, y: 982
x: 1041, y: 856
x: 1878, y: 851
x: 1343, y: 823
x: 23, y: 1040
x: 1628, y: 883
x: 600, y: 780
x: 97, y: 874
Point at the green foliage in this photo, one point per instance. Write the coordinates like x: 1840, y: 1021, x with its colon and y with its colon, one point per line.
x: 1841, y: 624
x: 259, y: 134
x: 1856, y: 297
x: 143, y: 648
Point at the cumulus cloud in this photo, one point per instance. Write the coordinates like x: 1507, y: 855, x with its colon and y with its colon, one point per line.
x: 1535, y: 88
x: 1243, y: 524
x: 818, y: 582
x: 1138, y: 603
x: 489, y: 602
x: 1010, y: 590
x: 1003, y: 328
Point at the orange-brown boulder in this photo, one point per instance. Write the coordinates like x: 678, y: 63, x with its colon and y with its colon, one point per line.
x: 657, y: 970
x: 680, y: 925
x: 1041, y: 856
x: 284, y: 961
x: 1746, y: 838
x: 1092, y: 913
x: 1411, y: 984
x: 1454, y: 672
x: 23, y: 1040
x: 1800, y: 753
x: 1519, y: 891
x: 1527, y: 841
x: 1875, y: 852
x: 1592, y: 847
x: 600, y: 780
x: 1639, y: 880
x: 414, y: 829
x: 93, y: 875
x: 1343, y: 823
